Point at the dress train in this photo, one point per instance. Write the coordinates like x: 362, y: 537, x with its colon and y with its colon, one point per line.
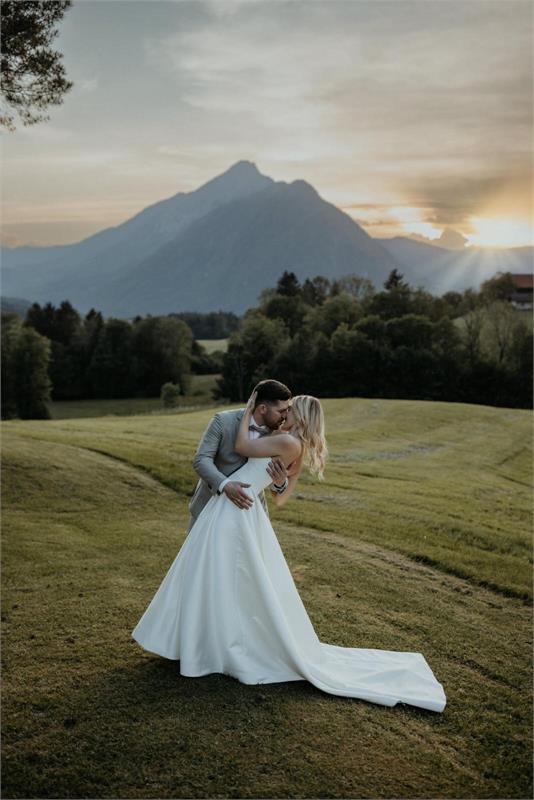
x: 228, y: 604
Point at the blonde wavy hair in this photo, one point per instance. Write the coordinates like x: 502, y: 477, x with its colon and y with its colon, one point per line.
x: 309, y: 424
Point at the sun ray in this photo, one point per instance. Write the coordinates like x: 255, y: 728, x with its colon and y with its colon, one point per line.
x: 492, y: 232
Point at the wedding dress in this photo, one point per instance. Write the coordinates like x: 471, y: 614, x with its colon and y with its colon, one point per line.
x: 228, y: 604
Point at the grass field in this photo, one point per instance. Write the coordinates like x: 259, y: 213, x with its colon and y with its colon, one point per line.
x: 419, y: 539
x: 211, y: 345
x: 200, y: 394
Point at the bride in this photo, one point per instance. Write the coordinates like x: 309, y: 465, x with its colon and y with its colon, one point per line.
x: 228, y: 602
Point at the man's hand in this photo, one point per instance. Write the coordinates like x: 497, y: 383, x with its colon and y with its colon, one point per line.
x: 234, y: 492
x: 277, y: 471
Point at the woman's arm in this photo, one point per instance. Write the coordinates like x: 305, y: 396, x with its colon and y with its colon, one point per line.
x: 281, y: 499
x: 283, y: 444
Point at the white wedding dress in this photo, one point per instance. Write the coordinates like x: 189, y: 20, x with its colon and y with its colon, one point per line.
x: 228, y: 604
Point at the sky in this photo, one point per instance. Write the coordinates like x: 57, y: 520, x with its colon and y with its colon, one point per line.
x: 412, y: 116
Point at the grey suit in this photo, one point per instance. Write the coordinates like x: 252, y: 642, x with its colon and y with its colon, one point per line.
x: 216, y: 459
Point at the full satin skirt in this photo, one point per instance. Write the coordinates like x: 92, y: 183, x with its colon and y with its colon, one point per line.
x: 228, y: 604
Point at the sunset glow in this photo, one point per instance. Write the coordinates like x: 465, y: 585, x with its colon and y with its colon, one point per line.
x: 424, y: 229
x: 501, y: 233
x: 343, y: 105
x: 410, y: 220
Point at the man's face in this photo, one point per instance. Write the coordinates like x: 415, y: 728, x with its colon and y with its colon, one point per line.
x: 274, y: 414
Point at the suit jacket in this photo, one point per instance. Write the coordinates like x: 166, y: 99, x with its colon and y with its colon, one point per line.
x: 216, y: 459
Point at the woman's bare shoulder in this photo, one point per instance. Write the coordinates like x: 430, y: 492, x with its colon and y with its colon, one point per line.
x: 293, y: 442
x: 288, y: 437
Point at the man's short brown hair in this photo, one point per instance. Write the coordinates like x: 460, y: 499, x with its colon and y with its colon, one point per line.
x: 271, y: 391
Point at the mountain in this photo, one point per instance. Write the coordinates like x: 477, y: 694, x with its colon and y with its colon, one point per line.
x: 215, y: 248
x: 15, y: 304
x: 71, y: 270
x: 226, y: 258
x: 220, y: 245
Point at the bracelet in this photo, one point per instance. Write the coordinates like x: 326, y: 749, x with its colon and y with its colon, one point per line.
x: 282, y: 488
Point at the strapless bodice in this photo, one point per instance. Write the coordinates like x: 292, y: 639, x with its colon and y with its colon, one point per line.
x: 254, y: 471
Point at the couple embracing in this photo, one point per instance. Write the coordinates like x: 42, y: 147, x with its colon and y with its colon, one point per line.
x: 228, y: 603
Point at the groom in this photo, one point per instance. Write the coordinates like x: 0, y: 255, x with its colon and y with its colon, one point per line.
x: 216, y: 459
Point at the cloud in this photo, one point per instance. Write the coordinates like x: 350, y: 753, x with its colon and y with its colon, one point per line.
x: 411, y: 88
x: 225, y: 8
x: 48, y: 134
x: 454, y: 199
x: 88, y: 85
x: 379, y: 104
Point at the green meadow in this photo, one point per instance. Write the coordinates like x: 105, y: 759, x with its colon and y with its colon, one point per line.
x: 199, y: 394
x: 212, y: 345
x: 418, y: 539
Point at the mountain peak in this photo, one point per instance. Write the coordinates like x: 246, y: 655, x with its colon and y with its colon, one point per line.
x: 242, y: 177
x: 243, y: 166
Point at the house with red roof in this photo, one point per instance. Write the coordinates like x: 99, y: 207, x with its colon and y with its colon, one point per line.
x: 521, y: 297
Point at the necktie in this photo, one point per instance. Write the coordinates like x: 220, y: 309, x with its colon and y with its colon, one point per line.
x: 256, y: 428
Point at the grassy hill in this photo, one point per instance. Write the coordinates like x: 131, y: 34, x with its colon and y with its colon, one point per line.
x: 418, y: 539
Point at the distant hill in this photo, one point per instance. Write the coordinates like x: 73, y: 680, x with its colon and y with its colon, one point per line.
x: 16, y: 304
x: 216, y: 248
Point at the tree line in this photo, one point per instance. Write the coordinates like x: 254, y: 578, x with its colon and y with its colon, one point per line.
x: 56, y: 354
x: 342, y: 338
x: 336, y: 338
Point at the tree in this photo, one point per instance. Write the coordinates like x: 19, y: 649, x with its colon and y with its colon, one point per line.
x: 355, y: 364
x: 63, y: 326
x: 92, y: 325
x: 412, y: 373
x: 423, y: 302
x: 410, y: 330
x: 294, y: 364
x: 162, y: 347
x: 470, y: 301
x: 42, y: 319
x: 500, y: 322
x: 111, y: 371
x: 500, y: 287
x: 373, y: 327
x: 472, y: 329
x: 204, y: 363
x: 251, y: 355
x: 67, y: 323
x: 290, y: 310
x: 10, y: 330
x: 59, y: 324
x: 231, y: 384
x: 170, y: 394
x: 214, y: 325
x: 335, y: 310
x: 390, y: 304
x: 30, y: 358
x: 453, y: 300
x: 33, y: 76
x: 315, y: 291
x: 521, y: 363
x: 288, y: 285
x: 395, y: 280
x: 356, y: 286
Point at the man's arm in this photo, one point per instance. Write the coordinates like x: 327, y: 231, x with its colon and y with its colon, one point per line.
x: 204, y: 464
x: 203, y: 461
